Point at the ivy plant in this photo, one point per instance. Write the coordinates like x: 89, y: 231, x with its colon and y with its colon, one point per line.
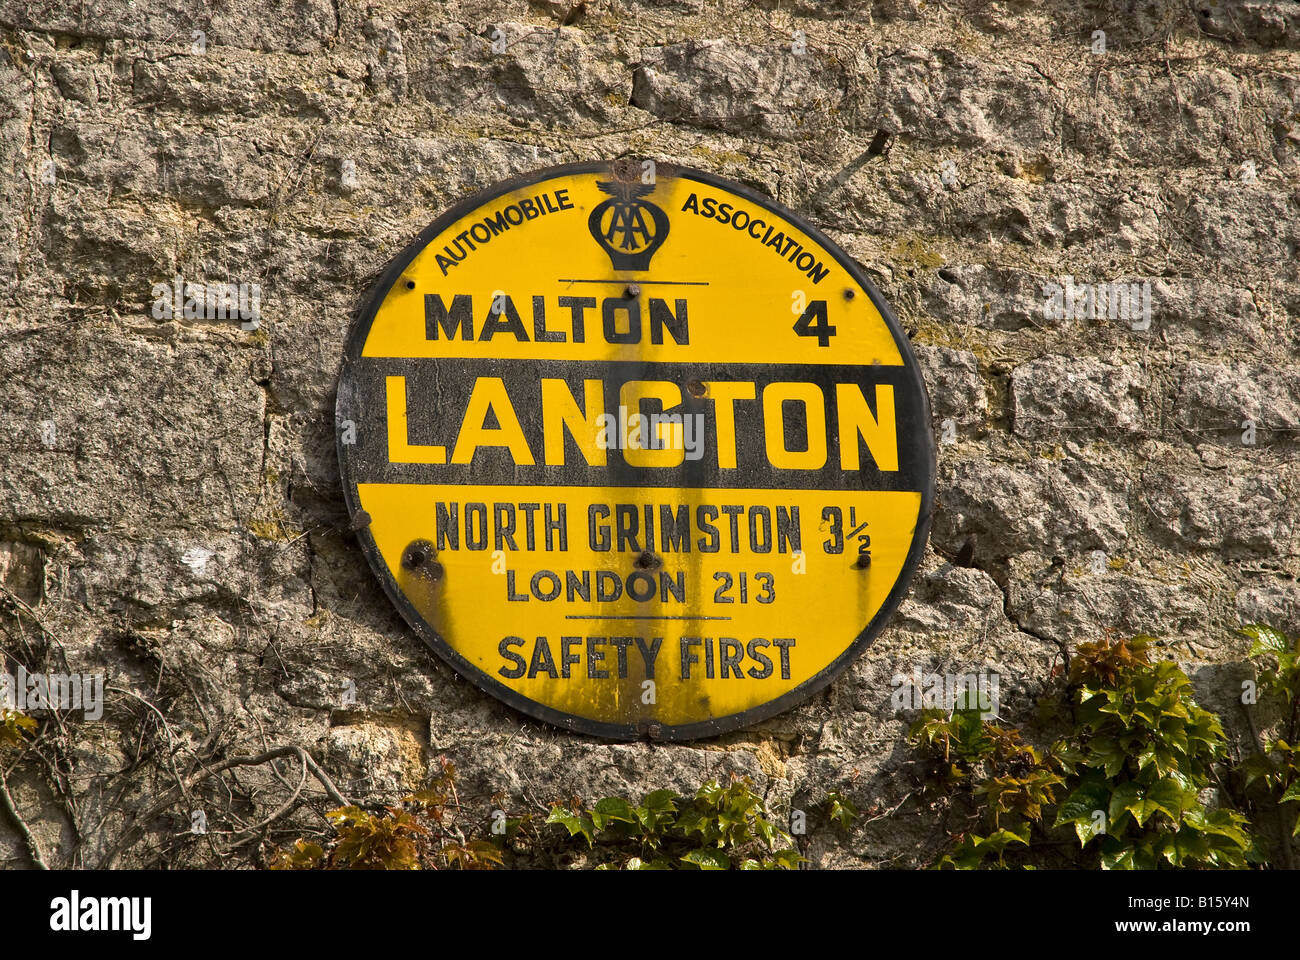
x: 718, y: 828
x: 13, y: 726
x: 1276, y: 766
x: 1126, y: 778
x: 427, y: 830
x: 1137, y: 761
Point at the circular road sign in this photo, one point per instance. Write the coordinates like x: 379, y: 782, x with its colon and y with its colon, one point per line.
x: 635, y: 449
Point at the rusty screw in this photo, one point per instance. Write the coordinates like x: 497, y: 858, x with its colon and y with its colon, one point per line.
x: 415, y: 556
x: 420, y: 558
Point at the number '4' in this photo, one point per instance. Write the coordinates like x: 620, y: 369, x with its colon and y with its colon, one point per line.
x: 813, y: 323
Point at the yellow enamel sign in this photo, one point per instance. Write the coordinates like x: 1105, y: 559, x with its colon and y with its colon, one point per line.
x: 636, y: 450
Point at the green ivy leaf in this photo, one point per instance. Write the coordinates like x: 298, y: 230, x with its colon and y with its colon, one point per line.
x: 1081, y: 806
x: 1224, y: 824
x: 1125, y: 797
x: 840, y: 809
x: 706, y: 858
x: 1107, y: 752
x: 1165, y: 796
x: 787, y: 859
x: 967, y: 856
x: 1258, y: 767
x: 710, y: 793
x: 999, y: 840
x: 971, y: 740
x: 1117, y: 855
x: 660, y: 801
x: 13, y: 726
x: 1171, y: 797
x: 1183, y: 846
x: 1267, y: 639
x: 692, y: 820
x: 610, y: 810
x: 574, y: 824
x: 1153, y: 755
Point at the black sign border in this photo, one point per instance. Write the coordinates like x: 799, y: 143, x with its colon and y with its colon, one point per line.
x: 716, y: 726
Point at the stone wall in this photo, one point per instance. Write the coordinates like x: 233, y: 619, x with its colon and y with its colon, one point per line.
x: 170, y: 512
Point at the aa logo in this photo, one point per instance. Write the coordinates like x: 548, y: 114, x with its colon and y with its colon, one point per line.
x: 629, y: 228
